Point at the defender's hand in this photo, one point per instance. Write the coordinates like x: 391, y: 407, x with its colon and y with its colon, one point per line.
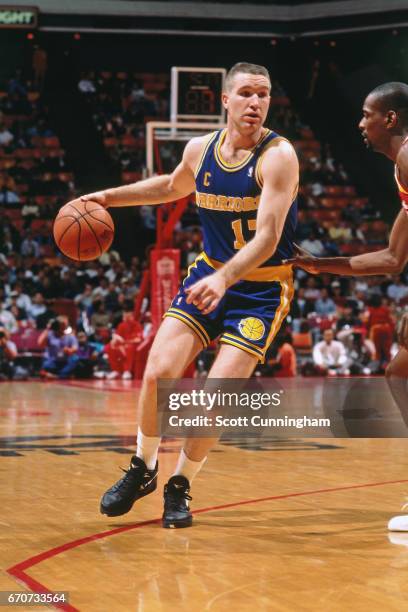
x: 98, y: 196
x: 304, y: 260
x: 207, y: 293
x: 403, y: 331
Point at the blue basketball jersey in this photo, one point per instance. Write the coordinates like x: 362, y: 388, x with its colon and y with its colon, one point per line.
x: 228, y: 196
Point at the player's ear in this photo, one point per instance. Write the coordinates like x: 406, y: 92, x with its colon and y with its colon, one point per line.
x: 224, y: 99
x: 391, y: 119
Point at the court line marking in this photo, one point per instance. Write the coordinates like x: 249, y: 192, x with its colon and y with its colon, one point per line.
x: 18, y: 571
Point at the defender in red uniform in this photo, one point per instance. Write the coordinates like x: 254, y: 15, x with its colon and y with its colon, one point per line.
x: 384, y: 127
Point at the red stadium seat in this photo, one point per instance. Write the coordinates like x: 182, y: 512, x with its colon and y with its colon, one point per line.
x: 52, y: 142
x: 26, y: 341
x: 110, y: 142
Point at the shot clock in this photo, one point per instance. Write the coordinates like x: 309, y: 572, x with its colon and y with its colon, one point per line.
x: 196, y: 93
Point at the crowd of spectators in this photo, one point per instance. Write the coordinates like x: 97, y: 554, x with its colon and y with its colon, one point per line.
x: 35, y: 178
x: 121, y: 103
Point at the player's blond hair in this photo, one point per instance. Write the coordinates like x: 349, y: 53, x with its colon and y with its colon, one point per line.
x: 246, y: 68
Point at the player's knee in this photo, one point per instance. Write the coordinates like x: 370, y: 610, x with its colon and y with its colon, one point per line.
x: 156, y: 369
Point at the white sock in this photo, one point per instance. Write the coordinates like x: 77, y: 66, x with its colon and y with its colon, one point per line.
x: 147, y: 449
x: 188, y: 468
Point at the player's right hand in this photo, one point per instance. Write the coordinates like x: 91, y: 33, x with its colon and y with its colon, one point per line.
x: 303, y: 259
x: 403, y: 331
x: 97, y: 196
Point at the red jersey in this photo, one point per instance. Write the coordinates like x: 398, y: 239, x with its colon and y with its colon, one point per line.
x: 380, y: 315
x: 403, y: 192
x: 129, y: 330
x: 287, y: 360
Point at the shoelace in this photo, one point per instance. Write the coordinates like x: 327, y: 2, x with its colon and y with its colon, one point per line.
x: 127, y: 479
x: 174, y: 501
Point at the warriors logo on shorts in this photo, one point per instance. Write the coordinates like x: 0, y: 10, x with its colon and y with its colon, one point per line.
x: 251, y: 328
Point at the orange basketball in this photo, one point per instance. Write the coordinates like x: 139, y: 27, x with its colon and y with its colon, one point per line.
x: 83, y: 230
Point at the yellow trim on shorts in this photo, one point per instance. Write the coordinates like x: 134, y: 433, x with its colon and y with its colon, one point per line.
x: 204, y: 152
x: 243, y: 340
x: 189, y: 316
x: 287, y: 292
x: 267, y: 274
x: 243, y: 348
x: 193, y: 265
x: 189, y: 324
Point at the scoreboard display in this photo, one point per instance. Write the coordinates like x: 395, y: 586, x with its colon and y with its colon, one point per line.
x: 18, y: 16
x: 196, y: 93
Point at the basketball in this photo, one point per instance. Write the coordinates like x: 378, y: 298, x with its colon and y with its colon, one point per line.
x: 83, y: 230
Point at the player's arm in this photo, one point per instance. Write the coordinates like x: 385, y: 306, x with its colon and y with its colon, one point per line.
x: 157, y: 189
x: 280, y: 173
x: 387, y: 261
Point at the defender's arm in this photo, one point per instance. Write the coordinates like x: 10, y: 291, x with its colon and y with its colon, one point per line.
x: 391, y: 260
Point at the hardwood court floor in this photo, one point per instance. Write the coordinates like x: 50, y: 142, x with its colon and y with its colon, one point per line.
x: 298, y: 525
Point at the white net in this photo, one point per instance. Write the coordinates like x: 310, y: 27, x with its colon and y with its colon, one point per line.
x: 165, y: 142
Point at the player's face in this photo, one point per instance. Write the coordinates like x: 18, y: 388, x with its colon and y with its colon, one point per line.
x: 373, y: 125
x: 247, y: 101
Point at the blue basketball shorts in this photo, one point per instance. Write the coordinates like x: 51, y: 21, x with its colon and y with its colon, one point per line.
x: 250, y: 313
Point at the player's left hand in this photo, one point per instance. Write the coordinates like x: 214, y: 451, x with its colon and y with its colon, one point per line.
x: 403, y: 331
x: 207, y: 293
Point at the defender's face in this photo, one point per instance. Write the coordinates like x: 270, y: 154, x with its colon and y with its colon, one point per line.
x: 373, y: 125
x: 247, y: 101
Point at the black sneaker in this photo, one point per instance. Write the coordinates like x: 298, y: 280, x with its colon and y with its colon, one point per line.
x: 176, y: 497
x: 137, y: 482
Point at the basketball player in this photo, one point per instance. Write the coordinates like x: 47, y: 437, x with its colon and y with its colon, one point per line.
x: 246, y: 181
x: 384, y: 127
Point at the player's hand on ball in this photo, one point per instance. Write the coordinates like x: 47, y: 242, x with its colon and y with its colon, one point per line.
x: 97, y: 196
x: 207, y: 293
x: 304, y: 260
x: 403, y: 331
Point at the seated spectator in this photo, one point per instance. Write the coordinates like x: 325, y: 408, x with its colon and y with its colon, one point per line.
x: 29, y: 212
x: 85, y: 300
x: 312, y: 291
x: 37, y: 307
x: 8, y: 353
x: 398, y: 290
x: 30, y: 247
x: 121, y: 349
x: 340, y: 232
x: 22, y: 300
x: 61, y: 347
x: 6, y: 137
x: 111, y: 299
x: 18, y: 313
x: 85, y: 357
x: 313, y: 245
x: 8, y: 197
x: 99, y: 317
x: 8, y: 320
x: 329, y: 356
x: 347, y: 319
x: 300, y: 308
x: 324, y: 306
